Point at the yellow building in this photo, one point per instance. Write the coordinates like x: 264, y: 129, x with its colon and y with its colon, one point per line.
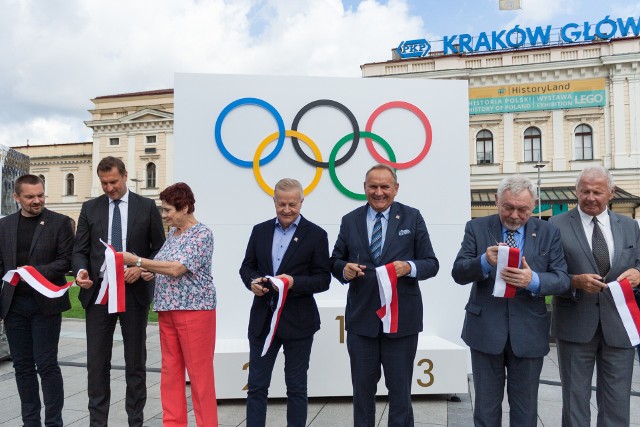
x: 135, y: 127
x: 67, y: 173
x: 559, y: 107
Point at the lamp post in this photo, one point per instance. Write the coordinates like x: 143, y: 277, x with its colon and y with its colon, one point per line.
x: 136, y: 180
x: 539, y: 166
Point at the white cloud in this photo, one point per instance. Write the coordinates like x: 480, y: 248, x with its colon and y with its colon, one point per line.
x: 62, y: 53
x: 44, y: 130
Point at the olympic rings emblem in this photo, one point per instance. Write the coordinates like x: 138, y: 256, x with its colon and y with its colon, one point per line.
x: 318, y: 162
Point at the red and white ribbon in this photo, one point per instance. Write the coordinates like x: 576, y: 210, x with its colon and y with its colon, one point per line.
x: 112, y: 288
x: 507, y: 257
x: 627, y: 308
x: 37, y: 281
x: 283, y: 288
x: 388, y: 289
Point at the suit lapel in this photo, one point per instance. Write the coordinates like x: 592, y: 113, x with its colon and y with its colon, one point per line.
x: 581, y: 237
x: 618, y: 241
x: 103, y: 215
x: 361, y: 225
x: 12, y: 224
x: 297, y: 239
x: 131, y: 209
x: 495, y: 231
x: 392, y: 228
x: 44, y: 219
x: 268, y: 242
x: 530, y: 239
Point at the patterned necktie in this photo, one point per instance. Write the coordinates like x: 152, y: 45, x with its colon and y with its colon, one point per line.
x: 116, y: 227
x: 511, y: 241
x: 599, y: 249
x: 376, y: 238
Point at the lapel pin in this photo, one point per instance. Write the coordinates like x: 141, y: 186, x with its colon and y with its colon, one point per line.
x: 397, y: 216
x: 41, y: 222
x: 533, y: 234
x: 295, y: 239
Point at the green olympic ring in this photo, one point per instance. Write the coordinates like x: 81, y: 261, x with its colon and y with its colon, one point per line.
x: 334, y: 153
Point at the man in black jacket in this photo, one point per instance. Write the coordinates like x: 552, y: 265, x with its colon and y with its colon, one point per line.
x: 42, y: 239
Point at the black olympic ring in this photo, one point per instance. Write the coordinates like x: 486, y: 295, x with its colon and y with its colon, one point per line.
x: 350, y: 116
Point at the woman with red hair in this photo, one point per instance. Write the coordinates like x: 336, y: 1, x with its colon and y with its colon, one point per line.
x: 185, y: 299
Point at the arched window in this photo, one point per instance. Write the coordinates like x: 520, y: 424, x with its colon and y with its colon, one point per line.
x: 532, y: 145
x: 151, y: 175
x: 584, y: 142
x: 44, y: 181
x: 484, y: 147
x: 71, y: 185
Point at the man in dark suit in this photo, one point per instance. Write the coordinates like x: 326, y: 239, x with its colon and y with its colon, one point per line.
x: 382, y: 232
x: 128, y: 222
x: 43, y: 239
x: 600, y: 246
x: 293, y: 248
x: 509, y: 334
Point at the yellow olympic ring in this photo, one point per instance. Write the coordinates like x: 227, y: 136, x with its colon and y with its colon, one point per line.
x: 269, y: 139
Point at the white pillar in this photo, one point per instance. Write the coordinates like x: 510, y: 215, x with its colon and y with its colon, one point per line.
x: 559, y: 162
x: 508, y: 162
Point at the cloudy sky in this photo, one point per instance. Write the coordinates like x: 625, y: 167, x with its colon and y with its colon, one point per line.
x: 56, y: 55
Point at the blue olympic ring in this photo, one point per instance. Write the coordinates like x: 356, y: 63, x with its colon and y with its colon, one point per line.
x: 249, y: 101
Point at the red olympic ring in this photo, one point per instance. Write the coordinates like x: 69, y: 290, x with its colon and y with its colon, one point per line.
x: 423, y: 119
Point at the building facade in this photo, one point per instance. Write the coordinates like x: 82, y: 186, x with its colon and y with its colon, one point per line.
x: 592, y: 117
x: 135, y: 127
x: 539, y: 111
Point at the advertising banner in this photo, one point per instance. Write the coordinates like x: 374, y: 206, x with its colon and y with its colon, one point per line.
x: 537, y: 96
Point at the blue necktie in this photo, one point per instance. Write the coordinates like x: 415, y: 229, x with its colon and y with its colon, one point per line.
x: 376, y: 239
x: 116, y: 227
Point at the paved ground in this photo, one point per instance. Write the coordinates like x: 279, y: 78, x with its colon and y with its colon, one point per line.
x: 438, y: 410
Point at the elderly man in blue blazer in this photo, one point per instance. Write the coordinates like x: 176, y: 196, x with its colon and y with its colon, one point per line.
x: 600, y: 247
x: 293, y: 248
x: 509, y: 335
x: 379, y: 233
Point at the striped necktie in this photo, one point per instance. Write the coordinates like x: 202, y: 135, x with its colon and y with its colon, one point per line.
x: 376, y: 239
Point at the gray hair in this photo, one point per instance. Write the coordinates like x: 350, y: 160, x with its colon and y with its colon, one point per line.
x: 516, y: 184
x: 288, y: 184
x: 380, y: 166
x: 597, y: 171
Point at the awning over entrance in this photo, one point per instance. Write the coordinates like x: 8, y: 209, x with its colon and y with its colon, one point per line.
x: 553, y: 196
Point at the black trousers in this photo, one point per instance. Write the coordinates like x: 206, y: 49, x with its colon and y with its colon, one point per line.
x: 100, y: 328
x: 33, y: 340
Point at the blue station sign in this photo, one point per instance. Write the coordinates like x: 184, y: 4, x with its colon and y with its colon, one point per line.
x: 517, y: 37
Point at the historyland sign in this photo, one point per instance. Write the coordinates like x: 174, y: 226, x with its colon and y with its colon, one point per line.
x: 537, y: 96
x: 517, y: 37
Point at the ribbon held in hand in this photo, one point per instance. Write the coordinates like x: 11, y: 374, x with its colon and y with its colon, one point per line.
x: 37, y: 281
x: 112, y: 287
x: 507, y: 257
x: 388, y: 289
x: 283, y: 288
x: 627, y: 308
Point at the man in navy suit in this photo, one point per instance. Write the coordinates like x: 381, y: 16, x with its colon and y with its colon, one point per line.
x: 382, y: 232
x: 132, y: 223
x: 509, y: 334
x: 295, y: 249
x: 42, y: 239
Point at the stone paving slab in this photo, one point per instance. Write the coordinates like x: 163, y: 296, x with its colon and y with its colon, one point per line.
x: 429, y: 410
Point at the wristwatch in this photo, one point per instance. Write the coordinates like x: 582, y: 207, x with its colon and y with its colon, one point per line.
x: 139, y: 262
